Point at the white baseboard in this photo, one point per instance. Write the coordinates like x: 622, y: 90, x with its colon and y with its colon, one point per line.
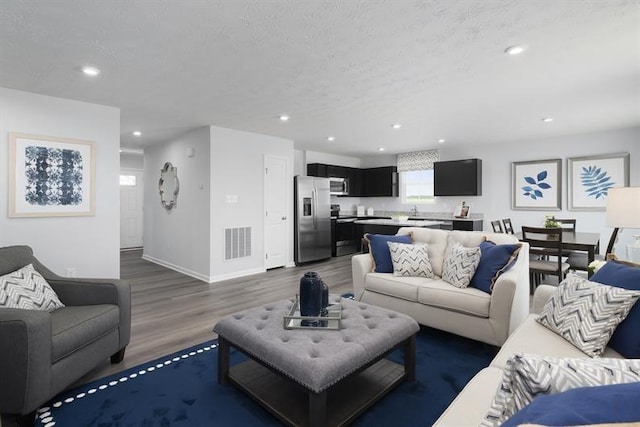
x: 177, y: 268
x: 236, y: 274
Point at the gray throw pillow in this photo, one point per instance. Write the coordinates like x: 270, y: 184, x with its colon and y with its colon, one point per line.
x: 26, y: 288
x: 527, y: 376
x: 410, y: 260
x: 460, y: 264
x: 587, y: 313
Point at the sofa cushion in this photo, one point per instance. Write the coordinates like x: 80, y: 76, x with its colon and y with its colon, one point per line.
x: 532, y: 337
x: 26, y: 289
x: 527, y: 376
x: 410, y: 260
x: 436, y: 241
x: 74, y: 327
x: 438, y: 293
x: 626, y: 338
x: 494, y: 260
x: 380, y: 251
x: 587, y: 313
x: 616, y: 403
x: 400, y: 287
x: 460, y: 264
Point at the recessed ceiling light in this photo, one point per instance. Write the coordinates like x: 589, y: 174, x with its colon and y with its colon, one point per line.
x: 90, y: 71
x: 441, y: 141
x: 381, y: 149
x: 547, y: 119
x: 137, y: 133
x: 396, y: 125
x: 284, y: 117
x: 331, y: 138
x: 515, y: 50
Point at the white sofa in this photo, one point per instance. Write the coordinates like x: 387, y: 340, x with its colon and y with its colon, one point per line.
x: 468, y: 312
x: 472, y: 404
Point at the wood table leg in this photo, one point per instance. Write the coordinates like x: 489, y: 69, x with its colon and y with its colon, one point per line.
x: 410, y: 358
x: 223, y: 360
x: 318, y: 409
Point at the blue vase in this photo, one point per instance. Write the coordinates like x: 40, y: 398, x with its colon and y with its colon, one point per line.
x: 310, y: 297
x: 325, y: 303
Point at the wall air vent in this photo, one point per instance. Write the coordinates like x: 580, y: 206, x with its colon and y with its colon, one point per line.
x: 237, y: 242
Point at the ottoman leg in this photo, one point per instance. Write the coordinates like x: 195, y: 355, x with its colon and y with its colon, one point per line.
x: 410, y: 359
x: 318, y: 409
x: 223, y: 360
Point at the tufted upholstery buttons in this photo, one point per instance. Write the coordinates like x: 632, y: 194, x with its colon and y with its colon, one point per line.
x: 264, y: 316
x: 393, y: 315
x: 238, y: 316
x: 285, y: 339
x: 269, y: 308
x: 260, y: 326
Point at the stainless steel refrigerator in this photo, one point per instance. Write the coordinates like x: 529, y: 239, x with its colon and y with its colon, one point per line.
x: 312, y: 235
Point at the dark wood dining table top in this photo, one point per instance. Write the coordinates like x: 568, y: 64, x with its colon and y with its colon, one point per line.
x: 576, y: 240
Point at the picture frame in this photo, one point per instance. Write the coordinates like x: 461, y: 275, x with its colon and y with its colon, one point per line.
x: 536, y: 185
x: 50, y: 176
x: 589, y: 179
x: 462, y: 211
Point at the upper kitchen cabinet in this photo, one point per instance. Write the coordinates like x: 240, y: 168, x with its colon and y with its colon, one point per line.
x: 380, y: 182
x: 370, y: 182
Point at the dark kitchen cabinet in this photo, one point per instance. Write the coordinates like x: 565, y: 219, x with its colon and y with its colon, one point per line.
x: 370, y: 182
x: 468, y: 225
x: 381, y: 182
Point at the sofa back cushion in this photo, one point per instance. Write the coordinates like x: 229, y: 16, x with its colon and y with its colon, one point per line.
x: 436, y: 241
x: 13, y: 258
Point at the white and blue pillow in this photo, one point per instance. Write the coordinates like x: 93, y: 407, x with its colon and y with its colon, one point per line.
x: 460, y: 264
x: 26, y: 289
x: 410, y: 260
x: 380, y: 251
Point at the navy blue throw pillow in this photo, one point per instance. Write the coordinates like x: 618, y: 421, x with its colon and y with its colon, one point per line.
x: 380, y: 251
x: 494, y: 260
x: 616, y: 403
x: 626, y: 339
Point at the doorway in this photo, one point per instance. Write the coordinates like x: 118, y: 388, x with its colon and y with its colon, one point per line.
x: 276, y: 201
x: 131, y: 208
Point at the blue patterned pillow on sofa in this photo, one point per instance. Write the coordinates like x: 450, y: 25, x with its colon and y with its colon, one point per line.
x: 494, y: 260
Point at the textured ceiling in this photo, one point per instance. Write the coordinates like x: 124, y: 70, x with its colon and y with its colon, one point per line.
x: 343, y: 68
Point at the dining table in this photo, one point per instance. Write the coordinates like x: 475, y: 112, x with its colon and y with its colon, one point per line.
x: 578, y: 241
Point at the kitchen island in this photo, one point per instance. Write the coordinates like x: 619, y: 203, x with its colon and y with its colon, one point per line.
x: 390, y: 226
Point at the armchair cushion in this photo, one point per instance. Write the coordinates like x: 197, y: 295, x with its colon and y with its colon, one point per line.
x: 26, y: 288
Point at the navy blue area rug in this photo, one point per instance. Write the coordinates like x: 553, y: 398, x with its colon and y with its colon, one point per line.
x: 182, y: 390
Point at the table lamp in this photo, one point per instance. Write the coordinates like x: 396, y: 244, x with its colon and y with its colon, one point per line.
x: 623, y: 211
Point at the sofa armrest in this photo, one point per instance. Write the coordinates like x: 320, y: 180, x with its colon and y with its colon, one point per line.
x: 80, y: 291
x: 360, y: 265
x: 540, y: 297
x: 25, y: 359
x: 510, y: 297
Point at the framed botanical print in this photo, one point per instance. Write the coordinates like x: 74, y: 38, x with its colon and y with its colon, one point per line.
x: 50, y: 176
x: 536, y: 185
x: 590, y: 178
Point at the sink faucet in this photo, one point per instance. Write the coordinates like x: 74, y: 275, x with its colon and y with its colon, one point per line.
x: 414, y: 210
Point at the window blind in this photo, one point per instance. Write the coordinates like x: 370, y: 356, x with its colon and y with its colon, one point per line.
x: 417, y: 160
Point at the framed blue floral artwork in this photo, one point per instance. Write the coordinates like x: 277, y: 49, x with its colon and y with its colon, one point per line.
x: 590, y: 178
x: 50, y: 176
x: 536, y: 185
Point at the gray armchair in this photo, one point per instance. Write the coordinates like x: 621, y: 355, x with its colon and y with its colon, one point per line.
x: 43, y: 353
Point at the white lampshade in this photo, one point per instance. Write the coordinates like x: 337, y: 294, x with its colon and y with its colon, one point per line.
x: 623, y: 207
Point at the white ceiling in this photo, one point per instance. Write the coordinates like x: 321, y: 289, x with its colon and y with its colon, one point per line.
x: 345, y: 68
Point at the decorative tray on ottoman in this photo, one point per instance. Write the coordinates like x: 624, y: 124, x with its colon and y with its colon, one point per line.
x: 294, y: 320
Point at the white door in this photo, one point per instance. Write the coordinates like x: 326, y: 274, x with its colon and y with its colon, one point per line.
x: 276, y: 195
x: 131, y: 202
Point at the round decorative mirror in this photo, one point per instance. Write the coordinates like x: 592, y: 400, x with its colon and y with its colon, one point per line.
x: 168, y: 185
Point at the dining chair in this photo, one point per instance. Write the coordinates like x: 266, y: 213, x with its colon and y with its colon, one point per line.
x: 567, y: 224
x: 546, y: 244
x: 508, y: 228
x: 497, y: 226
x: 577, y: 260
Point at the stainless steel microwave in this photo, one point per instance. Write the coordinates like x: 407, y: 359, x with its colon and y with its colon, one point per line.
x: 339, y: 186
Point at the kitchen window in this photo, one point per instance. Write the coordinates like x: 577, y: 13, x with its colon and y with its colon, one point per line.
x: 416, y: 176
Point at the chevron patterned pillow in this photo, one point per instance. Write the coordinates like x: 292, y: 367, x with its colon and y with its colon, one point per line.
x: 460, y: 264
x: 27, y: 289
x: 587, y: 313
x: 410, y: 260
x: 527, y: 376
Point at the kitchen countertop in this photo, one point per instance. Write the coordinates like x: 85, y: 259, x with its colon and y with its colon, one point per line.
x: 407, y: 223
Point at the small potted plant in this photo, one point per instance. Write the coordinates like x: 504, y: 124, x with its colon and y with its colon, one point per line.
x: 550, y: 222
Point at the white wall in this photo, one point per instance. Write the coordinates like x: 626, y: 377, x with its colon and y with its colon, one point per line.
x: 237, y: 169
x: 88, y: 244
x: 495, y: 202
x: 331, y: 159
x: 131, y: 161
x: 179, y: 238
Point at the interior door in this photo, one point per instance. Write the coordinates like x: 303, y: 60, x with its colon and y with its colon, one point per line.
x: 131, y: 202
x: 276, y: 190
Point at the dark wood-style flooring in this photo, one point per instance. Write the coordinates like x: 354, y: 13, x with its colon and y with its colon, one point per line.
x: 171, y: 311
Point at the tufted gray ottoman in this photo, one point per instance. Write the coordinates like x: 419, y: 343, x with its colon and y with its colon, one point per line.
x: 317, y: 377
